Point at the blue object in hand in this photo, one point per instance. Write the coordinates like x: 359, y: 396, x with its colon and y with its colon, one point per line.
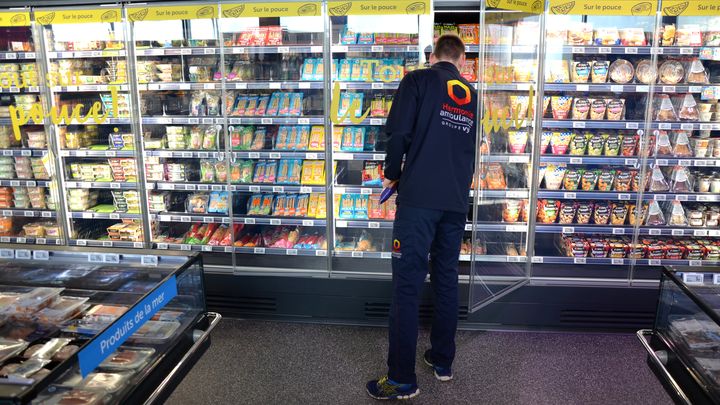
x: 387, y: 192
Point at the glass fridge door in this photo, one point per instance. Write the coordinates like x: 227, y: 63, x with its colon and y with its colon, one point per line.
x: 682, y: 195
x: 598, y: 79
x: 372, y: 49
x: 28, y: 196
x: 179, y: 81
x: 274, y: 114
x: 505, y: 49
x: 91, y: 122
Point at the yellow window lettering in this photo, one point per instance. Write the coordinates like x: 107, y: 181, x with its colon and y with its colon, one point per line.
x: 335, y: 109
x: 368, y: 67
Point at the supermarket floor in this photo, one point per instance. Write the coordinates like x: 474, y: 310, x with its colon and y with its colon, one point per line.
x: 253, y: 362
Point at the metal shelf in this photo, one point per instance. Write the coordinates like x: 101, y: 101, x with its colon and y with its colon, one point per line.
x: 626, y: 196
x: 367, y: 121
x: 105, y: 243
x: 96, y: 153
x: 621, y: 88
x: 629, y: 161
x: 111, y: 53
x: 18, y: 90
x: 217, y: 219
x: 98, y: 215
x: 273, y: 49
x: 358, y: 156
x: 89, y: 88
x: 23, y: 152
x: 28, y: 212
x: 625, y: 230
x: 364, y: 224
x: 624, y: 124
x: 285, y: 85
x: 622, y: 262
x: 25, y: 183
x: 104, y: 184
x: 520, y: 193
x: 270, y: 188
x: 279, y: 155
x: 17, y: 55
x: 372, y: 85
x: 30, y: 241
x: 375, y: 48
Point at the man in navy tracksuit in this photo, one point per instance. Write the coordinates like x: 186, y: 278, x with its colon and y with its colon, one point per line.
x: 432, y: 126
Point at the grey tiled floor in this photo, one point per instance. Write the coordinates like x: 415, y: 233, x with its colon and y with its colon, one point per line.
x: 252, y: 362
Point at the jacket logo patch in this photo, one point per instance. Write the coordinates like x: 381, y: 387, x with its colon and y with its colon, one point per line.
x: 451, y: 84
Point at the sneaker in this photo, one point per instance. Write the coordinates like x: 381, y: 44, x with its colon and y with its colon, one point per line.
x: 385, y: 388
x: 441, y: 373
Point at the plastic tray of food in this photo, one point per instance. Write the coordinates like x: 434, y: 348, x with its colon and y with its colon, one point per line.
x: 103, y: 279
x: 74, y: 397
x: 104, y: 313
x: 156, y: 332
x: 11, y: 348
x: 35, y: 300
x: 62, y: 310
x: 128, y: 358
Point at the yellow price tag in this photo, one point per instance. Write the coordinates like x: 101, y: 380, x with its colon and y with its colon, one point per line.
x: 280, y: 9
x: 14, y: 19
x: 77, y: 16
x: 528, y: 6
x: 604, y: 7
x: 342, y: 8
x: 690, y: 7
x: 163, y: 13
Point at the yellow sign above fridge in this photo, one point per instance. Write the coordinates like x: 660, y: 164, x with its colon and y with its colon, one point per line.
x: 14, y: 19
x: 163, y: 13
x: 690, y: 7
x: 280, y: 9
x: 604, y: 7
x: 380, y: 7
x: 78, y: 16
x: 528, y: 6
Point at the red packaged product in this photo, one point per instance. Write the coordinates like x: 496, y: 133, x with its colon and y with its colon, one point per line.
x: 674, y: 251
x: 655, y: 251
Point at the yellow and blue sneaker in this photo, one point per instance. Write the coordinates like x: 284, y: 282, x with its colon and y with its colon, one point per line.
x: 441, y: 373
x: 385, y: 388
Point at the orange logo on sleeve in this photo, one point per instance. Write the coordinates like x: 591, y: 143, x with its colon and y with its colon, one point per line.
x: 451, y: 92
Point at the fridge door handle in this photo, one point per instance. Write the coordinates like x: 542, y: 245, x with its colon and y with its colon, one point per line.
x: 642, y: 335
x: 199, y: 337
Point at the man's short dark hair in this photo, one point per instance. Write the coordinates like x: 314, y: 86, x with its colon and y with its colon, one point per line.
x: 449, y: 47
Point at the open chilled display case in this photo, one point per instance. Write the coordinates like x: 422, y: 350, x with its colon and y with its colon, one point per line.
x: 239, y: 130
x: 81, y: 324
x: 683, y: 344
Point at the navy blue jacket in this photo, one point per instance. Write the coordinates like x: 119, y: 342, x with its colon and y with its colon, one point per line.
x: 432, y: 124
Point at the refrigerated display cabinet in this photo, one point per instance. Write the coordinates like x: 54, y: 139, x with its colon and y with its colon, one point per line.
x: 683, y: 344
x: 84, y: 324
x: 242, y: 133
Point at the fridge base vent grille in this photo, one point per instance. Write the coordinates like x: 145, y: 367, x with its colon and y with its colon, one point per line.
x: 243, y: 305
x: 613, y: 319
x: 380, y: 310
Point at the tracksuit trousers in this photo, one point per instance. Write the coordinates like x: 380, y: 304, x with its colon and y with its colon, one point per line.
x: 420, y: 233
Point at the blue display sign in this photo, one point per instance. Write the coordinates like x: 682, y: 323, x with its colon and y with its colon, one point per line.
x: 107, y: 342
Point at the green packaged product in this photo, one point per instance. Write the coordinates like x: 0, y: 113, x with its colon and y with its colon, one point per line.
x: 596, y: 145
x: 578, y: 144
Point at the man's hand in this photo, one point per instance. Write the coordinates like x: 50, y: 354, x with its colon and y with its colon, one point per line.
x: 389, y: 183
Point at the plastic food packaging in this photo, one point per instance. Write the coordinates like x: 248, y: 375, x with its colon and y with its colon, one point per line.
x: 108, y: 382
x: 47, y: 350
x: 682, y: 145
x: 561, y: 107
x: 665, y: 111
x: 655, y: 215
x: 104, y: 313
x: 681, y: 180
x: 657, y: 181
x: 35, y: 300
x: 607, y: 36
x: 676, y: 213
x: 696, y: 73
x: 621, y: 71
x: 618, y: 213
x: 601, y: 214
x: 572, y: 178
x: 689, y: 110
x: 600, y: 69
x: 580, y: 71
x: 567, y: 213
x: 29, y: 367
x: 65, y: 353
x: 554, y: 175
x: 128, y: 358
x: 11, y: 348
x: 613, y: 144
x: 578, y: 144
x: 581, y: 109
x: 597, y: 109
x: 62, y: 310
x: 589, y: 180
x: 671, y: 72
x: 156, y: 332
x: 645, y: 72
x: 596, y: 144
x: 560, y: 142
x: 663, y: 147
x: 615, y: 109
x: 605, y: 180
